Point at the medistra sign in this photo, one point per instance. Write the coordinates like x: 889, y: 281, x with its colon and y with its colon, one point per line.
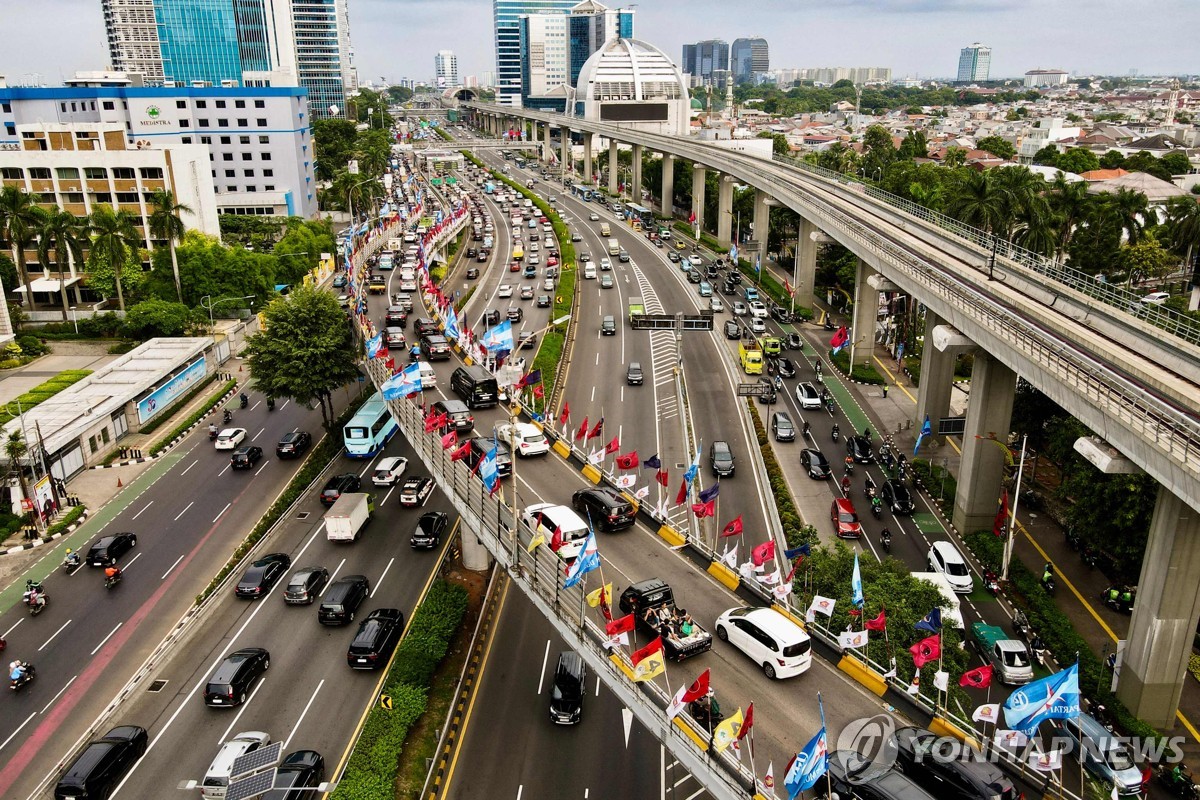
x: 153, y: 117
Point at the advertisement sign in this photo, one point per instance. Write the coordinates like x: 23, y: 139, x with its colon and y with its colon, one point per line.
x: 162, y: 397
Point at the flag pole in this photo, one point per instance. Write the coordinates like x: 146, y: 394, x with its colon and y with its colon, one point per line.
x: 828, y: 779
x: 753, y: 771
x: 939, y: 691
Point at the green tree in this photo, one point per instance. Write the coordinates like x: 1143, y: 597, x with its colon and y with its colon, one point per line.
x: 1113, y: 159
x: 333, y: 142
x: 306, y: 351
x: 371, y: 107
x: 15, y: 449
x: 1047, y: 156
x: 399, y: 94
x: 955, y: 157
x: 1077, y: 161
x: 976, y: 201
x: 1145, y: 260
x: 1130, y: 210
x: 1000, y: 148
x: 165, y: 223
x: 1068, y: 201
x: 8, y: 274
x: 1096, y: 239
x: 61, y: 238
x: 19, y: 220
x: 154, y: 317
x: 779, y: 142
x: 210, y: 269
x: 878, y: 152
x: 1142, y: 161
x: 299, y: 250
x: 114, y: 238
x: 915, y: 145
x: 1176, y: 163
x: 1183, y: 227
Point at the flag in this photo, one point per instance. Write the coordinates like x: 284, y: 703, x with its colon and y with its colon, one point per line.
x: 596, y: 457
x: 1046, y: 761
x: 404, y: 383
x: 628, y: 460
x: 726, y: 733
x: 823, y: 605
x: 374, y: 346
x: 787, y: 287
x: 648, y: 662
x: 783, y: 590
x: 769, y: 778
x: 926, y: 430
x: 462, y: 452
x: 499, y: 338
x: 926, y: 650
x: 624, y: 624
x: 1013, y: 741
x: 661, y: 477
x: 588, y: 560
x: 941, y: 680
x: 802, y: 550
x: 840, y: 339
x: 565, y: 416
x: 452, y: 331
x: 534, y: 543
x: 613, y: 446
x: 489, y: 474
x: 449, y: 440
x: 733, y: 527
x: 729, y: 557
x: 596, y: 429
x: 693, y: 468
x: 1055, y: 697
x: 583, y: 429
x: 600, y: 595
x: 891, y: 673
x: 851, y: 640
x: 988, y: 712
x: 998, y: 524
x: 914, y: 688
x: 932, y: 621
x: 711, y: 492
x: 733, y: 254
x: 652, y: 462
x: 688, y: 694
x: 539, y: 391
x: 856, y: 583
x: 758, y: 264
x: 791, y: 574
x: 978, y: 678
x: 808, y: 766
x: 530, y: 378
x: 771, y: 579
x: 642, y: 493
x: 763, y: 553
x: 626, y: 481
x: 679, y: 498
x: 691, y: 217
x: 702, y: 510
x: 877, y: 624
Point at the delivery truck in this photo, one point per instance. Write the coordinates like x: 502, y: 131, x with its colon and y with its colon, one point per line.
x: 347, y: 517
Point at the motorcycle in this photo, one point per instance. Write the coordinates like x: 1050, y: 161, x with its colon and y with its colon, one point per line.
x: 23, y: 677
x: 1183, y: 786
x: 270, y: 404
x: 885, y: 540
x: 1088, y: 556
x: 1120, y: 598
x: 245, y: 401
x: 836, y: 432
x: 1048, y: 582
x: 1021, y: 625
x: 1105, y: 717
x: 227, y: 416
x: 1073, y: 539
x: 1038, y: 647
x: 35, y: 597
x: 112, y: 580
x: 877, y: 507
x: 829, y: 405
x: 212, y: 433
x: 71, y: 562
x: 991, y: 582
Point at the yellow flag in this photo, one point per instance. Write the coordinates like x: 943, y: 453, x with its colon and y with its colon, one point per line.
x: 605, y: 592
x: 649, y: 667
x: 538, y: 540
x: 726, y: 733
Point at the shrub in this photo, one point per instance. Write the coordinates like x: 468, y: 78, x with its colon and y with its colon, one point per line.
x: 43, y: 391
x: 31, y: 345
x: 863, y: 373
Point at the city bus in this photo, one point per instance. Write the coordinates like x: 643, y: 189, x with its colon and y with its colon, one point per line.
x: 642, y: 215
x: 370, y: 429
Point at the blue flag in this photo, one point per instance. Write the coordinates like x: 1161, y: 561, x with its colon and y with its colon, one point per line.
x: 374, y: 346
x: 808, y: 766
x: 488, y: 472
x: 1055, y: 697
x: 758, y: 264
x: 932, y: 621
x: 452, y: 331
x: 403, y: 383
x: 856, y: 584
x: 733, y: 254
x: 694, y: 468
x: 588, y: 560
x: 710, y: 493
x: 802, y: 550
x: 652, y: 462
x: 926, y: 430
x: 499, y: 338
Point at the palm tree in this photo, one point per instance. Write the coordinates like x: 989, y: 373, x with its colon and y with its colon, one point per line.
x: 1023, y: 201
x: 113, y: 236
x: 19, y: 216
x: 166, y: 224
x: 15, y: 449
x: 1132, y: 210
x: 976, y: 200
x: 1183, y: 226
x: 1068, y: 201
x: 61, y: 236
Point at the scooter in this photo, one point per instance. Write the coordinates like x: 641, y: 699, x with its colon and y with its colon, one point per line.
x: 227, y: 417
x: 71, y: 562
x: 25, y: 677
x: 245, y: 401
x: 991, y: 582
x: 829, y: 405
x: 112, y: 580
x: 836, y: 433
x: 1039, y: 650
x: 877, y: 507
x: 885, y: 540
x: 212, y: 432
x: 270, y: 404
x: 1021, y: 625
x: 35, y: 597
x: 1048, y: 582
x: 1183, y: 786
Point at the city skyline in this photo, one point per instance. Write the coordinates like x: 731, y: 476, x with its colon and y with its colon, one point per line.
x: 802, y: 35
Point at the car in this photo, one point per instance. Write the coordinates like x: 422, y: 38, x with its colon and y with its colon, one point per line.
x: 415, y: 490
x: 1106, y: 755
x: 1155, y: 298
x: 505, y: 290
x: 245, y: 457
x: 376, y: 639
x: 515, y: 314
x: 230, y: 438
x: 530, y: 271
x: 608, y: 509
x: 751, y: 294
x: 807, y: 395
x: 216, y: 778
x: 576, y: 237
x: 694, y: 276
x: 98, y: 769
x: 108, y: 549
x: 782, y: 427
x: 585, y: 257
x: 896, y: 496
x: 297, y: 775
x: 526, y: 340
x: 720, y: 459
x: 608, y: 325
x: 729, y: 289
x: 766, y: 391
x: 768, y: 638
x: 389, y: 470
x: 623, y: 256
x: 342, y: 599
x: 551, y: 262
x: 526, y: 292
x: 859, y: 449
x: 343, y: 300
x: 965, y: 777
x: 548, y: 285
x: 472, y: 273
x: 483, y: 256
x: 758, y: 310
x: 543, y: 301
x: 305, y: 585
x: 758, y: 325
x: 472, y: 252
x: 732, y: 329
x: 633, y: 373
x: 739, y: 308
x: 340, y: 281
x: 293, y: 444
x: 491, y: 317
x: 673, y: 257
x: 849, y: 779
x: 735, y: 277
x: 705, y: 289
x: 235, y: 677
x: 337, y: 485
x: 261, y: 576
x: 715, y: 304
x: 593, y: 217
x: 944, y: 558
x: 605, y: 265
x: 589, y: 272
x: 459, y: 417
x: 533, y: 260
x: 568, y: 689
x: 430, y: 527
x: 845, y: 518
x: 527, y: 439
x: 816, y: 464
x: 606, y: 281
x: 793, y: 342
x: 784, y: 367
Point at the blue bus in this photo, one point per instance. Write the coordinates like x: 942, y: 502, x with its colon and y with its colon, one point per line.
x: 642, y: 215
x: 370, y: 429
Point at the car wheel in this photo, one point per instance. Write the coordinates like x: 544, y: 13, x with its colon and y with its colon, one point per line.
x: 266, y: 665
x: 241, y: 698
x: 769, y: 670
x: 351, y: 619
x: 133, y: 541
x: 722, y: 634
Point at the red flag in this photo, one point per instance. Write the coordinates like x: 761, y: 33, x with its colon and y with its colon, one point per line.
x: 679, y: 498
x: 627, y: 460
x: 698, y: 689
x: 621, y: 625
x: 431, y: 423
x: 926, y: 650
x: 449, y: 440
x: 792, y: 572
x: 462, y: 452
x: 979, y: 678
x: 703, y: 510
x: 595, y: 431
x: 556, y: 540
x: 565, y: 415
x: 854, y: 612
x: 583, y: 429
x: 538, y: 391
x: 691, y: 217
x: 661, y: 477
x: 649, y: 650
x: 1001, y: 515
x: 840, y: 338
x: 877, y: 624
x: 763, y: 553
x: 612, y: 446
x: 747, y: 722
x: 733, y: 527
x: 787, y: 287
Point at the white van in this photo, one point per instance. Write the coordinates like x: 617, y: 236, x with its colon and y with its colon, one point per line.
x: 216, y: 780
x: 545, y: 518
x: 428, y: 376
x: 951, y: 609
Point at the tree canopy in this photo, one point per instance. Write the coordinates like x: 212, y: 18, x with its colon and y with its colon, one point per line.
x: 209, y: 268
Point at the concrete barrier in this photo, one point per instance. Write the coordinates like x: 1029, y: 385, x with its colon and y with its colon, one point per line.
x: 591, y: 473
x: 672, y: 536
x: 863, y: 674
x: 724, y: 574
x: 562, y: 449
x: 941, y: 726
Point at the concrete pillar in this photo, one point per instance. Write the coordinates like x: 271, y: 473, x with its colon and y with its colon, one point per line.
x: 989, y: 414
x: 474, y: 555
x: 724, y: 210
x: 635, y: 191
x: 547, y: 149
x: 699, y: 174
x: 565, y: 161
x: 1164, y: 618
x: 762, y: 221
x: 804, y: 276
x: 612, y: 166
x: 862, y: 326
x: 668, y: 185
x: 943, y: 346
x: 588, y: 170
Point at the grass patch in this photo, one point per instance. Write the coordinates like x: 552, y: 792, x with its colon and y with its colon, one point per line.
x: 72, y: 516
x: 863, y: 373
x: 795, y: 531
x: 44, y: 391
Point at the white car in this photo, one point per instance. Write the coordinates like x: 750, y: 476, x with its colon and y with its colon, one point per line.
x: 216, y: 779
x: 523, y: 438
x: 505, y: 290
x: 946, y: 560
x: 1156, y: 298
x: 593, y: 216
x: 807, y: 395
x: 757, y: 309
x: 779, y: 646
x: 716, y: 305
x: 389, y: 470
x: 739, y: 308
x: 589, y: 272
x: 230, y: 438
x: 758, y: 325
x: 605, y: 264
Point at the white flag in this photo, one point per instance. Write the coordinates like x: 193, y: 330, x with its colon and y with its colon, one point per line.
x: 625, y: 481
x: 772, y: 579
x: 822, y: 605
x: 1045, y: 762
x: 769, y: 778
x: 729, y: 557
x: 660, y: 510
x: 596, y: 457
x: 941, y: 680
x: 915, y: 686
x: 891, y: 673
x: 747, y: 570
x: 1012, y: 741
x: 852, y: 640
x: 620, y: 640
x: 642, y: 493
x: 989, y: 712
x: 782, y: 591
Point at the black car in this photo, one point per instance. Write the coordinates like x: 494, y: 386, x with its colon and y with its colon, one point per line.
x: 732, y: 329
x: 766, y: 390
x: 515, y: 314
x: 734, y: 277
x: 720, y: 458
x: 99, y: 768
x: 246, y: 457
x: 415, y: 490
x: 108, y: 549
x: 526, y: 340
x: 376, y: 639
x: 304, y: 585
x: 294, y: 444
x: 606, y: 508
x: 693, y: 276
x: 816, y: 464
x: 491, y: 317
x: 729, y: 288
x: 430, y: 527
x: 897, y: 497
x: 472, y: 252
x: 460, y: 417
x: 959, y: 778
x: 633, y: 374
x: 297, y: 775
x: 234, y: 677
x: 785, y: 368
x: 262, y: 575
x: 543, y: 301
x: 782, y: 427
x: 859, y: 448
x: 566, y: 693
x: 396, y: 317
x: 340, y: 281
x: 342, y: 599
x: 849, y: 780
x: 337, y: 486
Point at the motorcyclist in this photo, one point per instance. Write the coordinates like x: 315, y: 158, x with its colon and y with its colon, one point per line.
x: 806, y: 427
x: 17, y: 670
x: 836, y: 431
x: 270, y: 404
x: 244, y: 399
x: 34, y: 593
x: 1047, y: 574
x: 212, y: 430
x: 112, y: 573
x: 885, y: 536
x: 846, y: 485
x: 72, y: 559
x: 228, y: 416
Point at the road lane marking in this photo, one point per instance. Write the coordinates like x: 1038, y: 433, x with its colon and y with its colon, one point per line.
x: 545, y: 661
x: 18, y: 730
x: 311, y: 539
x: 110, y: 633
x: 168, y: 572
x: 135, y: 516
x: 130, y: 564
x: 194, y: 463
x: 370, y: 464
x: 255, y: 436
x: 260, y: 469
x: 13, y: 628
x: 60, y: 691
x: 302, y: 713
x: 227, y: 466
x: 332, y: 575
x: 221, y: 512
x: 185, y: 509
x: 56, y: 633
x: 378, y: 582
x: 224, y: 738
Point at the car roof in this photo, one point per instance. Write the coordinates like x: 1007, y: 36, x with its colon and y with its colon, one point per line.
x: 947, y: 550
x: 843, y: 504
x: 389, y: 463
x: 776, y: 624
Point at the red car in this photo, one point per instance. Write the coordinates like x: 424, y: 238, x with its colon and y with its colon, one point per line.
x: 551, y: 261
x: 845, y: 519
x: 515, y: 266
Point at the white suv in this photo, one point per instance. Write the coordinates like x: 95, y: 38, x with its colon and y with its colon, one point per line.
x: 757, y: 309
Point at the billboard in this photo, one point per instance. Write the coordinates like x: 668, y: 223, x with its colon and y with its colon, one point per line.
x: 164, y: 395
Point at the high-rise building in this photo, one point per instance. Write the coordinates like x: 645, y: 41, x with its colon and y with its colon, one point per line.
x: 506, y: 21
x: 445, y: 69
x: 555, y: 45
x: 324, y: 60
x: 700, y: 59
x: 748, y: 58
x: 974, y: 63
x: 590, y: 26
x: 133, y: 38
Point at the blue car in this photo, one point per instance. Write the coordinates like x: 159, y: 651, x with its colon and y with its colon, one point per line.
x: 339, y: 281
x: 751, y: 293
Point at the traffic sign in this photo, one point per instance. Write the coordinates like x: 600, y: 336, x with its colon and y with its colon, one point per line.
x: 385, y: 700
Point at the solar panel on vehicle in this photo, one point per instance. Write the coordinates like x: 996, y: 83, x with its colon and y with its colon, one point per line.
x: 252, y: 786
x: 255, y: 760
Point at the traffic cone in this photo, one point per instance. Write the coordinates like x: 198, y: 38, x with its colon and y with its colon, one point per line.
x: 119, y: 484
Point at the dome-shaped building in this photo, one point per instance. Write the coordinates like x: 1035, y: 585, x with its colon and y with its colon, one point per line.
x: 630, y: 82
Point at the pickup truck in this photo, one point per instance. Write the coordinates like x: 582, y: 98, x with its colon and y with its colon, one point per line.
x: 345, y: 520
x: 655, y: 594
x: 751, y: 357
x: 1008, y: 656
x: 637, y: 308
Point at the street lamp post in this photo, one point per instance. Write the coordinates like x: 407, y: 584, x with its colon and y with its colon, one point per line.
x: 1008, y: 540
x: 208, y: 303
x: 75, y: 319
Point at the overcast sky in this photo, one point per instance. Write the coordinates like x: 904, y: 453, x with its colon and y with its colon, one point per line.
x: 398, y: 38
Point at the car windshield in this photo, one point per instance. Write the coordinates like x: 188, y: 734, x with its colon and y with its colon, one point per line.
x: 847, y: 516
x: 1016, y: 658
x: 797, y: 649
x: 957, y: 569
